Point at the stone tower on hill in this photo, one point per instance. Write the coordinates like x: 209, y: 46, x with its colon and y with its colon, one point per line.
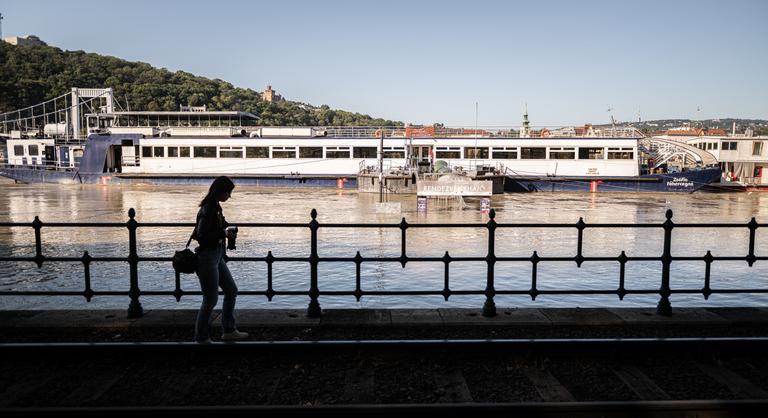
x: 269, y: 95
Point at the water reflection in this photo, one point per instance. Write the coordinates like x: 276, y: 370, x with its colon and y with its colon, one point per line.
x: 20, y: 203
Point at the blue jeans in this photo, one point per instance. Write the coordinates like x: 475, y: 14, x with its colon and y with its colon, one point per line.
x: 214, y: 273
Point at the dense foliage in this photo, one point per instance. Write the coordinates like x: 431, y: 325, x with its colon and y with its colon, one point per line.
x: 31, y: 75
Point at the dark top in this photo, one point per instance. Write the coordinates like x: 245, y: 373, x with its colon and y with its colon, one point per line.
x: 210, y: 230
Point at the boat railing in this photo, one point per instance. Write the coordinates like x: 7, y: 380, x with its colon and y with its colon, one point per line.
x: 42, y: 165
x: 485, y: 286
x: 389, y: 168
x: 468, y: 132
x: 130, y: 161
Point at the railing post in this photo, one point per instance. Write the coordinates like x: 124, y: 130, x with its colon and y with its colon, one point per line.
x: 403, y: 256
x: 489, y: 307
x: 313, y: 310
x: 664, y: 307
x: 752, y: 225
x: 134, y: 308
x: 39, y: 257
x: 88, y: 292
x: 580, y: 225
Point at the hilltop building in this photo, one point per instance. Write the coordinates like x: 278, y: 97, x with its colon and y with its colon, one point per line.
x: 525, y: 129
x: 30, y: 40
x: 269, y: 95
x: 688, y: 131
x: 190, y: 108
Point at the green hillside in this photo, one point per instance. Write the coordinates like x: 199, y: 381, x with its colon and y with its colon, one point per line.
x: 31, y: 75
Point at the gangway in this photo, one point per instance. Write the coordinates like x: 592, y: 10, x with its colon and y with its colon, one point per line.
x: 662, y: 150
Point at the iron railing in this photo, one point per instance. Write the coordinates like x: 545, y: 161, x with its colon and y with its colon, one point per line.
x: 314, y: 292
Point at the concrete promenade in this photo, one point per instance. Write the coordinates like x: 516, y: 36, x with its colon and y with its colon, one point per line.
x: 294, y: 365
x: 393, y: 318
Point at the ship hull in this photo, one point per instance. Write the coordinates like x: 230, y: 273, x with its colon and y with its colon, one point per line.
x: 30, y: 175
x: 685, y: 182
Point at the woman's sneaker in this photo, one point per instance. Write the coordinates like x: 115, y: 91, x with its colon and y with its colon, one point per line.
x: 234, y: 336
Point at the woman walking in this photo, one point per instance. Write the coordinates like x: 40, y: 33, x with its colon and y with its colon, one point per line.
x: 210, y: 232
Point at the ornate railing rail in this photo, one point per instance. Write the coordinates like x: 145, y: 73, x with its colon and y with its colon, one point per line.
x: 314, y: 292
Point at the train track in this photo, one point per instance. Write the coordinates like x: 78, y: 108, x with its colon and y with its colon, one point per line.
x: 611, y: 377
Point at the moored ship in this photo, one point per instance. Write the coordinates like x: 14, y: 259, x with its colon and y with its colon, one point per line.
x: 194, y: 145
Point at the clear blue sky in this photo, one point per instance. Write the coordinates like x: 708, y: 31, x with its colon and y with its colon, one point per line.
x: 430, y: 61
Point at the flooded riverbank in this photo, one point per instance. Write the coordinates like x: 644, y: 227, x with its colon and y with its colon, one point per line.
x: 20, y: 203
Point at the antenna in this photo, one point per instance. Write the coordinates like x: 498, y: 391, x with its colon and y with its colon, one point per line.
x: 1, y: 26
x: 476, y: 130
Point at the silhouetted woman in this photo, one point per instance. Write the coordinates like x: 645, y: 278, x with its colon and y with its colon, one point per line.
x: 211, y: 232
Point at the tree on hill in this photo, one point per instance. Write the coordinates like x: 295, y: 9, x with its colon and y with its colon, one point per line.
x: 31, y: 75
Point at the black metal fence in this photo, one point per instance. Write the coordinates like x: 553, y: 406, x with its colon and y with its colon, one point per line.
x: 314, y: 292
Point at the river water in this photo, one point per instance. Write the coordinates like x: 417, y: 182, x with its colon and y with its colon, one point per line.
x: 91, y: 203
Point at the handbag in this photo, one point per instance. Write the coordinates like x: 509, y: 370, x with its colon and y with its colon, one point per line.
x: 185, y: 261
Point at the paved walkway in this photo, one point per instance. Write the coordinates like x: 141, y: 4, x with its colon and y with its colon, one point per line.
x: 382, y: 318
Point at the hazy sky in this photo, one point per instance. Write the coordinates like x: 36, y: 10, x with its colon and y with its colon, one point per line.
x: 430, y: 61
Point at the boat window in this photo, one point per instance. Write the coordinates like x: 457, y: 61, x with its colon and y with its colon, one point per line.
x: 504, y: 154
x: 205, y: 152
x: 159, y: 151
x: 447, y: 154
x: 173, y: 152
x: 714, y: 146
x: 365, y: 152
x: 33, y: 150
x: 230, y: 152
x: 528, y: 153
x: 283, y: 152
x: 18, y: 150
x: 394, y: 154
x: 620, y: 154
x: 310, y: 152
x: 472, y: 153
x: 562, y: 153
x: 757, y: 148
x: 184, y: 151
x: 734, y: 146
x: 146, y: 152
x: 256, y: 152
x: 591, y: 153
x: 337, y: 152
